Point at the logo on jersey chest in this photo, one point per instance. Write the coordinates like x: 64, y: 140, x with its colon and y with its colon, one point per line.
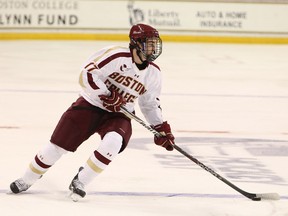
x: 124, y: 68
x: 128, y: 82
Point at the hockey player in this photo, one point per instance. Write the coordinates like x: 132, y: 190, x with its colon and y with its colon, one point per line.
x: 111, y: 78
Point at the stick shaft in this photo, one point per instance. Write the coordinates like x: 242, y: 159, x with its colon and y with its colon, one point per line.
x: 196, y: 161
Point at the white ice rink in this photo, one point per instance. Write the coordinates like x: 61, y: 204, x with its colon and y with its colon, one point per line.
x: 227, y: 105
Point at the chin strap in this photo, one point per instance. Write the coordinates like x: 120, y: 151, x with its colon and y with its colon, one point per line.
x: 139, y: 55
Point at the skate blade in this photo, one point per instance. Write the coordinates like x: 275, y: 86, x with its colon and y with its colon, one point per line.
x: 11, y: 193
x: 75, y: 197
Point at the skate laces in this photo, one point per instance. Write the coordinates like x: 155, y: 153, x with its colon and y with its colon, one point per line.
x: 77, y: 184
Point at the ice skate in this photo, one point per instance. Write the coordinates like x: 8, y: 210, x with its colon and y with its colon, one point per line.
x: 19, y: 186
x: 77, y: 188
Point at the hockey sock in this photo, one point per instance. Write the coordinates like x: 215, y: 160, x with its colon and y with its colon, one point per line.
x: 45, y: 158
x: 100, y: 159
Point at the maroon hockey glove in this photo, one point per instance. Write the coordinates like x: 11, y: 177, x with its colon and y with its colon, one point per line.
x: 112, y: 102
x: 167, y: 138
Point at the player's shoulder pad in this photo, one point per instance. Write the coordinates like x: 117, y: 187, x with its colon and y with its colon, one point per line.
x: 110, y: 53
x: 115, y: 49
x: 155, y: 65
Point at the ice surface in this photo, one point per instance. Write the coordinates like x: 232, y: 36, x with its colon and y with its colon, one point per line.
x: 227, y: 105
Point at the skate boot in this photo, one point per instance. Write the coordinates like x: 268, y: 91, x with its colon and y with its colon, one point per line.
x: 77, y: 188
x: 19, y: 186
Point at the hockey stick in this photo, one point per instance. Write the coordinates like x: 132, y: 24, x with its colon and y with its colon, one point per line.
x: 252, y: 196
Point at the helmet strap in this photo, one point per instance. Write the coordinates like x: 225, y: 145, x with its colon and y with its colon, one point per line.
x: 138, y: 51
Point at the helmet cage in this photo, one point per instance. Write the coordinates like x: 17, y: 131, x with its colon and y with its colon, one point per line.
x: 150, y: 48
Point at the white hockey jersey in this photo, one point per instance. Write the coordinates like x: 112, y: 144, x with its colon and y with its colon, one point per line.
x: 113, y: 68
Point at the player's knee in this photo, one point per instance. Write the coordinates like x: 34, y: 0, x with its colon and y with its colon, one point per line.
x: 111, y: 144
x: 116, y: 137
x: 50, y: 153
x: 60, y: 151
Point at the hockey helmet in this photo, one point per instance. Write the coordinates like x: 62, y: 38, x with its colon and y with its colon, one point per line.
x: 146, y: 40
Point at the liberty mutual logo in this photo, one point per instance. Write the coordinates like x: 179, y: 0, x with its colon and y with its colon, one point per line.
x: 135, y: 15
x: 166, y: 17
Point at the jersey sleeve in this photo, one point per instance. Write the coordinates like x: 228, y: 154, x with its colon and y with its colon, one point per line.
x: 91, y: 84
x: 149, y: 102
x: 92, y: 77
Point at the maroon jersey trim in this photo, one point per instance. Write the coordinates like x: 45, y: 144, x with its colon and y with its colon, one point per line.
x: 91, y: 82
x: 112, y: 57
x: 151, y: 63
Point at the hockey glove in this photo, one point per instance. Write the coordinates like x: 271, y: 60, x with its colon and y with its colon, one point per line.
x: 167, y: 138
x: 113, y: 102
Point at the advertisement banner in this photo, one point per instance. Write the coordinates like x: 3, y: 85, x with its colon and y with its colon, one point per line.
x: 182, y: 17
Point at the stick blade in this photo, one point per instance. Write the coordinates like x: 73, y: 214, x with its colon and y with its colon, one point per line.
x: 268, y: 196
